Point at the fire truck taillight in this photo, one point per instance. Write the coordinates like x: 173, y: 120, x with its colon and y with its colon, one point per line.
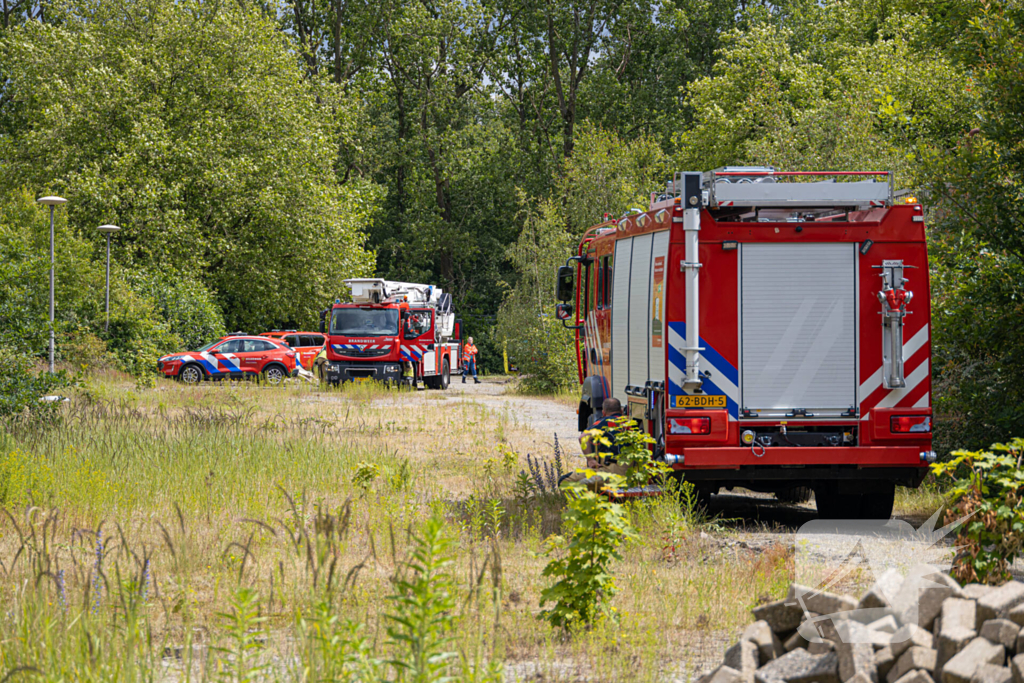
x: 908, y: 424
x: 689, y: 425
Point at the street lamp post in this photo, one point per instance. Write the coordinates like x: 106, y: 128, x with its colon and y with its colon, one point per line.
x: 108, y: 230
x: 51, y: 202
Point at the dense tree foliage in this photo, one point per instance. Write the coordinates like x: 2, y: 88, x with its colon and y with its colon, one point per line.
x: 258, y: 153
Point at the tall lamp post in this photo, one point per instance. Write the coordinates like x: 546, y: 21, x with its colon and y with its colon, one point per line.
x: 51, y: 202
x: 108, y: 230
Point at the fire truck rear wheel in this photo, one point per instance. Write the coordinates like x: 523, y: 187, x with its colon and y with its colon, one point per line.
x: 874, y: 504
x: 797, y: 494
x: 446, y: 374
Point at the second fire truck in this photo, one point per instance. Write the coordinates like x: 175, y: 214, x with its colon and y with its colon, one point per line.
x: 393, y: 332
x: 770, y: 330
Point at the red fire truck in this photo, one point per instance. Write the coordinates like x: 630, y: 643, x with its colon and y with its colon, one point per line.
x: 770, y: 330
x: 393, y: 332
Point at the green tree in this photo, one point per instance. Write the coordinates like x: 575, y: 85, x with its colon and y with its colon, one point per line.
x: 215, y: 157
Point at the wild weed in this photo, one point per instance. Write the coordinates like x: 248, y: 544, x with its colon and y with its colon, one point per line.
x: 421, y: 621
x: 244, y: 629
x: 581, y: 560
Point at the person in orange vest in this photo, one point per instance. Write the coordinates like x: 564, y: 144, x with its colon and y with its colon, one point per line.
x: 469, y: 352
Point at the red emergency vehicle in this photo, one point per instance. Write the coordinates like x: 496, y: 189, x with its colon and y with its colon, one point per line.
x: 394, y: 332
x: 770, y: 330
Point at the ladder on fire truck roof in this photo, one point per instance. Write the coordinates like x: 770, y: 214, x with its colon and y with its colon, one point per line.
x: 378, y: 290
x: 756, y: 187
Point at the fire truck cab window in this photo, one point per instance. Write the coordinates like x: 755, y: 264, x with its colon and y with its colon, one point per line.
x: 417, y: 324
x: 364, y: 322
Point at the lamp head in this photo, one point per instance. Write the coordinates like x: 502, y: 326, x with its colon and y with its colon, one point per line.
x: 108, y: 228
x: 52, y: 201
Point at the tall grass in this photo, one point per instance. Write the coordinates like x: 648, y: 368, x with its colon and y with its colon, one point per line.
x: 222, y: 533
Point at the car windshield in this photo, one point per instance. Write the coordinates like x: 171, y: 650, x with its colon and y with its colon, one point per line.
x: 364, y: 322
x: 204, y: 347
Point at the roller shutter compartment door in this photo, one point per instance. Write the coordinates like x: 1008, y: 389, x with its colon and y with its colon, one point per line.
x: 798, y: 327
x: 620, y: 318
x: 639, y: 311
x: 656, y: 364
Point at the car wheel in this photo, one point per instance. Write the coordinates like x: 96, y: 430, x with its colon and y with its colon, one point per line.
x: 446, y: 375
x: 191, y: 374
x: 274, y: 375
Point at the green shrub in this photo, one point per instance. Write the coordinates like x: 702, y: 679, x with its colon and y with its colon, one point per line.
x: 634, y: 452
x: 190, y: 309
x: 22, y: 388
x: 581, y: 562
x: 987, y: 495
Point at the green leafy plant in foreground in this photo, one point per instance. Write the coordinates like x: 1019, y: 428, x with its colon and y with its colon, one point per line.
x: 597, y: 527
x: 988, y: 491
x: 421, y: 622
x: 246, y: 634
x: 634, y: 451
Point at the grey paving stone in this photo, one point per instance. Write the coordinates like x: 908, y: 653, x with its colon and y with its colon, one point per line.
x: 724, y: 674
x: 887, y: 624
x: 998, y: 603
x: 800, y: 665
x: 794, y: 641
x: 825, y: 670
x: 990, y: 673
x: 976, y: 591
x: 914, y: 658
x: 958, y: 613
x: 883, y: 662
x: 781, y: 615
x: 916, y: 676
x: 1016, y: 615
x: 768, y: 644
x: 822, y: 602
x: 856, y: 658
x: 962, y: 667
x: 908, y: 636
x: 920, y: 597
x: 883, y: 590
x: 951, y: 643
x: 743, y: 657
x: 1017, y: 668
x: 1000, y: 631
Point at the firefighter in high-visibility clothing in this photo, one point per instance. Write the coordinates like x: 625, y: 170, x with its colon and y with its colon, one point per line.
x: 469, y: 352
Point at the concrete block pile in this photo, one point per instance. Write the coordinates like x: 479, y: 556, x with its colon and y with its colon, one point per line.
x: 918, y: 628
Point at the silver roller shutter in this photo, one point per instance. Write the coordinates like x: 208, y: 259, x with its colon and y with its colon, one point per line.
x: 798, y: 327
x: 639, y: 310
x: 620, y: 318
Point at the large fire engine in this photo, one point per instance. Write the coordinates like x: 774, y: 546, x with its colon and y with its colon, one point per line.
x: 770, y: 330
x: 394, y: 332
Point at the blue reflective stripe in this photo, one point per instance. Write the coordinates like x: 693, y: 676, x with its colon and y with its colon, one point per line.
x: 718, y: 362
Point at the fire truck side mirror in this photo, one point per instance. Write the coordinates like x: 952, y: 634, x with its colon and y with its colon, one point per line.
x: 565, y: 286
x: 323, y: 321
x: 564, y: 311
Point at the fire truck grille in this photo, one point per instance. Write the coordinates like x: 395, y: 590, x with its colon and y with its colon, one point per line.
x: 365, y: 353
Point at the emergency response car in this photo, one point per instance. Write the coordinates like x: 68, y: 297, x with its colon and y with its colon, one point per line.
x: 234, y: 356
x: 770, y: 330
x: 393, y: 332
x: 307, y: 345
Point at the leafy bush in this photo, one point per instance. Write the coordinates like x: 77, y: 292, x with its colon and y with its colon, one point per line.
x: 190, y: 309
x: 989, y: 496
x: 540, y: 346
x: 633, y: 451
x: 21, y: 388
x: 581, y: 562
